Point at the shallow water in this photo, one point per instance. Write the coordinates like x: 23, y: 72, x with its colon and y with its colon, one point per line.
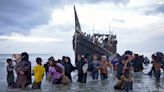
x: 142, y: 83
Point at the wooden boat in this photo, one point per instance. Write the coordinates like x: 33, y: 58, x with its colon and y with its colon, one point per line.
x: 99, y: 44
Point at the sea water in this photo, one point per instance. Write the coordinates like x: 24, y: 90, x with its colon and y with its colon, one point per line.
x: 32, y: 59
x: 142, y: 82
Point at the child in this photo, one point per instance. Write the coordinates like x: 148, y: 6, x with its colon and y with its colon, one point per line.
x: 38, y: 73
x: 10, y: 73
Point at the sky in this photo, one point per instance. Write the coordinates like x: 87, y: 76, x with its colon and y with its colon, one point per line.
x: 47, y: 26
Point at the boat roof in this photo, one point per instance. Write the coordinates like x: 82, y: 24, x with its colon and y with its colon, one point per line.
x: 96, y: 34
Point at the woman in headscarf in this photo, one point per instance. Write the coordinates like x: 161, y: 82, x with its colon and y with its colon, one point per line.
x: 56, y: 71
x: 23, y: 70
x: 68, y: 67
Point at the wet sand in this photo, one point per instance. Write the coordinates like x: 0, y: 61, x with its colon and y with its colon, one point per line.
x: 142, y: 83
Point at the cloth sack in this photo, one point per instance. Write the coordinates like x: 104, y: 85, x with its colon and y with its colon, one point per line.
x: 65, y: 80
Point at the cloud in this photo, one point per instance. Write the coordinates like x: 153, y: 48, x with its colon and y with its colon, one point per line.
x: 147, y: 39
x: 24, y: 15
x: 101, y: 1
x: 42, y: 39
x: 21, y: 16
x: 137, y: 24
x: 161, y: 8
x: 147, y: 7
x: 24, y: 39
x: 154, y: 9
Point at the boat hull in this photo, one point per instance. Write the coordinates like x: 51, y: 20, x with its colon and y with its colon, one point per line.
x: 83, y: 46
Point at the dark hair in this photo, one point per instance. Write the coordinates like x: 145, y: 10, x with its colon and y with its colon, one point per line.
x: 63, y: 58
x: 118, y: 55
x: 9, y: 60
x: 24, y: 56
x: 49, y: 59
x: 125, y: 57
x: 154, y: 57
x: 136, y: 55
x: 159, y: 56
x: 93, y: 56
x: 59, y: 61
x: 69, y: 60
x: 128, y: 52
x: 39, y: 60
x: 53, y: 60
x: 77, y: 57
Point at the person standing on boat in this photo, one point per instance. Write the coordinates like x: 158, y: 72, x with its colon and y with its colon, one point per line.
x: 95, y: 66
x: 82, y: 67
x: 104, y: 64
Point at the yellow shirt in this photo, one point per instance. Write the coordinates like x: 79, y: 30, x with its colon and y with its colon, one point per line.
x: 38, y: 73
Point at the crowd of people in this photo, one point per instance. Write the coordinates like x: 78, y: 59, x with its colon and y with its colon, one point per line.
x: 59, y: 71
x: 106, y: 41
x: 23, y: 71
